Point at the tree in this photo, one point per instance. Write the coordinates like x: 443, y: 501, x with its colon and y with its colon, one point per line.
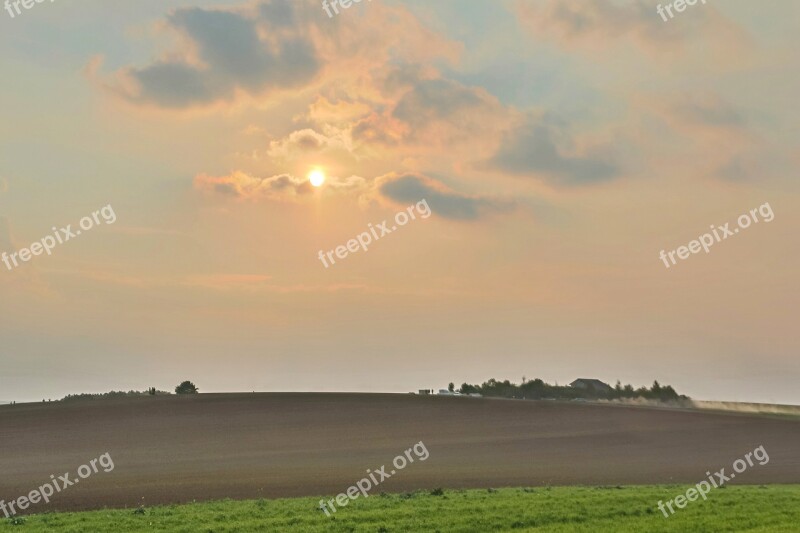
x: 466, y: 388
x: 187, y: 387
x: 451, y: 387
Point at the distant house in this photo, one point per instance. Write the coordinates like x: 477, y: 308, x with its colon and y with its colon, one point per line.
x: 591, y: 385
x: 425, y: 391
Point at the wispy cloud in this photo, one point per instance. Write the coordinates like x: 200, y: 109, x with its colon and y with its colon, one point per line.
x: 541, y: 147
x: 443, y: 201
x: 597, y: 26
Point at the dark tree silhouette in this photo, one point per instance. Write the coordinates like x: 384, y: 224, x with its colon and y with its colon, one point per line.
x: 187, y: 387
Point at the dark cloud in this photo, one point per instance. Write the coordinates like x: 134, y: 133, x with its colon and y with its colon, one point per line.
x: 308, y: 142
x: 539, y: 148
x: 434, y: 100
x: 234, y: 54
x: 709, y: 111
x: 279, y: 13
x: 411, y: 188
x: 428, y: 111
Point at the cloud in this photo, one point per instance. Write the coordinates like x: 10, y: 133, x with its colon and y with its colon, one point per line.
x: 227, y: 51
x: 720, y: 135
x: 574, y: 21
x: 256, y: 50
x: 441, y: 99
x: 429, y: 113
x: 541, y: 147
x: 243, y: 186
x: 595, y: 26
x: 403, y: 104
x: 701, y: 113
x: 352, y: 183
x: 339, y: 111
x: 310, y: 142
x: 444, y: 202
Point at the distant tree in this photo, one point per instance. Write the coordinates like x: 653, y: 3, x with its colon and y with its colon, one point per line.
x: 533, y: 389
x: 466, y: 388
x: 617, y: 391
x: 451, y: 387
x: 656, y: 388
x: 187, y: 387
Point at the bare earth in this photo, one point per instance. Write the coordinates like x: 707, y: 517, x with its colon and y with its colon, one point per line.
x: 212, y: 446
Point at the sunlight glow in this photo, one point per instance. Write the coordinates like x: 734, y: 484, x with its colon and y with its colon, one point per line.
x: 317, y: 178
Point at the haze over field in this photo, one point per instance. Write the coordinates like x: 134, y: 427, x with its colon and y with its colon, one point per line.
x: 558, y: 154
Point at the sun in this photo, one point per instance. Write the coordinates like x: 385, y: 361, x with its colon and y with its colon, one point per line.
x: 317, y: 178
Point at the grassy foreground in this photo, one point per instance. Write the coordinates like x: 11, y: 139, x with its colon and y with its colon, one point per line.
x: 773, y: 508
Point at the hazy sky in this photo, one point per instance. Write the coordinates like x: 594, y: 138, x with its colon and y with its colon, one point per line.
x: 561, y: 145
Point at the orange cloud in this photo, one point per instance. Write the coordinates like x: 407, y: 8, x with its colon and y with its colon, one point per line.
x: 283, y: 187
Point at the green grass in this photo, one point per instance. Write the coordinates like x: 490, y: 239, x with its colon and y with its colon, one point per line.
x: 772, y: 508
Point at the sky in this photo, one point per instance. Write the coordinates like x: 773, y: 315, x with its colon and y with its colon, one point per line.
x: 560, y: 146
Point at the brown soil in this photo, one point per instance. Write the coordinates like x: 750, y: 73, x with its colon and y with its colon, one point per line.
x: 178, y: 449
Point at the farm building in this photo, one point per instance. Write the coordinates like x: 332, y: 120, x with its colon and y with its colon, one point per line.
x: 594, y: 385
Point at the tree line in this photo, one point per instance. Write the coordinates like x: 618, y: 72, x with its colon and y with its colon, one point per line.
x: 537, y: 389
x: 187, y: 387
